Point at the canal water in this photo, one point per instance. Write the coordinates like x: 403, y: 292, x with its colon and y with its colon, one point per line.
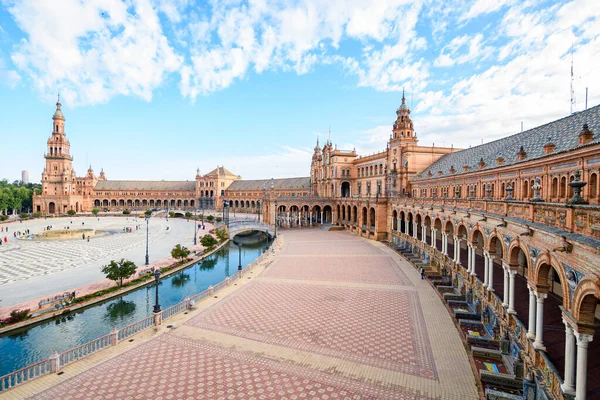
x: 21, y: 348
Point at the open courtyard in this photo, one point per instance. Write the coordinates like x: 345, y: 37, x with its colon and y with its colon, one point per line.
x: 33, y: 268
x: 330, y: 316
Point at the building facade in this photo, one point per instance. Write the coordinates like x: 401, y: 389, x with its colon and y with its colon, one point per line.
x: 63, y: 190
x: 510, y: 228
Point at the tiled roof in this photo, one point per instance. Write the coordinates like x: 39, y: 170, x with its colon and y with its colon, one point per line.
x: 259, y: 184
x: 146, y: 185
x: 563, y: 133
x: 222, y: 171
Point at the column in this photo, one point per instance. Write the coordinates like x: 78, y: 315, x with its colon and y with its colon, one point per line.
x: 511, y: 291
x: 506, y: 284
x: 531, y: 331
x: 539, y: 322
x: 474, y: 253
x: 457, y: 250
x: 433, y: 237
x: 486, y: 272
x: 491, y: 273
x: 405, y: 227
x: 569, y: 384
x: 322, y: 222
x: 583, y: 341
x: 399, y: 226
x: 445, y: 243
x: 469, y: 257
x: 455, y: 241
x: 423, y: 233
x: 415, y: 230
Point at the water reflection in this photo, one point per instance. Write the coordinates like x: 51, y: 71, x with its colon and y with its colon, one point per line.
x: 120, y: 309
x: 180, y: 279
x: 76, y: 328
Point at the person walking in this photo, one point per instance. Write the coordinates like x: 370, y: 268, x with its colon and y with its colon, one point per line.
x: 422, y: 273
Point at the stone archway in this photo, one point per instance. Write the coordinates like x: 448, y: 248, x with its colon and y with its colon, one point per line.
x: 345, y: 189
x: 51, y: 207
x: 372, y: 219
x: 327, y: 215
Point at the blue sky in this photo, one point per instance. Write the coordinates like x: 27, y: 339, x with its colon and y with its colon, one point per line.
x: 154, y: 89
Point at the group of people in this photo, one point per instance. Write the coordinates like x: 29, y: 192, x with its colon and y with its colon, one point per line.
x: 2, y: 229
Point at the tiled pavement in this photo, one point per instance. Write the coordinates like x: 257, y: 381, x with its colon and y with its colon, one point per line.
x: 295, y: 332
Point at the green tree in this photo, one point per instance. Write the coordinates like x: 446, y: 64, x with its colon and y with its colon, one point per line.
x: 148, y: 213
x: 95, y: 211
x: 180, y: 252
x: 119, y: 270
x: 210, y: 218
x: 221, y: 234
x: 126, y: 212
x: 171, y: 214
x: 208, y: 241
x: 71, y: 212
x: 188, y: 214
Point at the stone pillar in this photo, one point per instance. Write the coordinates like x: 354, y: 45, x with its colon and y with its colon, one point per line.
x: 531, y: 331
x: 433, y: 232
x: 423, y: 233
x: 405, y: 231
x: 157, y: 318
x: 486, y: 273
x: 114, y: 337
x: 54, y: 362
x: 455, y: 243
x: 583, y: 341
x: 491, y: 273
x: 505, y: 286
x: 469, y: 259
x: 445, y: 243
x: 538, y: 344
x: 322, y: 221
x: 569, y: 384
x: 415, y: 230
x: 473, y: 258
x: 399, y: 225
x: 511, y: 291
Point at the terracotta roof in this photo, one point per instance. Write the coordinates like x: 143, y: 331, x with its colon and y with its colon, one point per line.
x: 259, y: 184
x: 146, y: 185
x: 222, y: 171
x: 563, y: 133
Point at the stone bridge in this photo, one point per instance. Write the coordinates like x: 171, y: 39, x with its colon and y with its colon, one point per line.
x: 243, y: 226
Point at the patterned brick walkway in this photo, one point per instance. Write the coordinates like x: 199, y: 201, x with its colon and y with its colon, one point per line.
x: 331, y: 316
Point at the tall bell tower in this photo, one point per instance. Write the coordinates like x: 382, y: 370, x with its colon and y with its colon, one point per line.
x: 58, y: 178
x: 402, y: 142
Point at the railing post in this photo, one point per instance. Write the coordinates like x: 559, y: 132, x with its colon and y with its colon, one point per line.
x: 114, y: 337
x: 188, y: 303
x: 210, y: 290
x: 54, y: 362
x: 157, y: 318
x: 227, y: 281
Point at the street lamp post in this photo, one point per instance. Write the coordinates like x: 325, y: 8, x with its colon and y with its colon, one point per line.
x: 147, y: 258
x: 240, y: 256
x: 157, y: 281
x: 195, y: 229
x: 276, y: 218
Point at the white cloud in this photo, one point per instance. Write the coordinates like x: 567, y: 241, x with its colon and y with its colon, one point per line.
x: 484, y: 7
x: 106, y: 48
x: 532, y: 86
x: 463, y: 49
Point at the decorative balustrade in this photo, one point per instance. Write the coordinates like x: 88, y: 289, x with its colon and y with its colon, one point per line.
x: 136, y: 327
x: 572, y: 218
x: 550, y: 377
x: 176, y: 309
x: 25, y: 375
x: 84, y: 350
x: 46, y: 366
